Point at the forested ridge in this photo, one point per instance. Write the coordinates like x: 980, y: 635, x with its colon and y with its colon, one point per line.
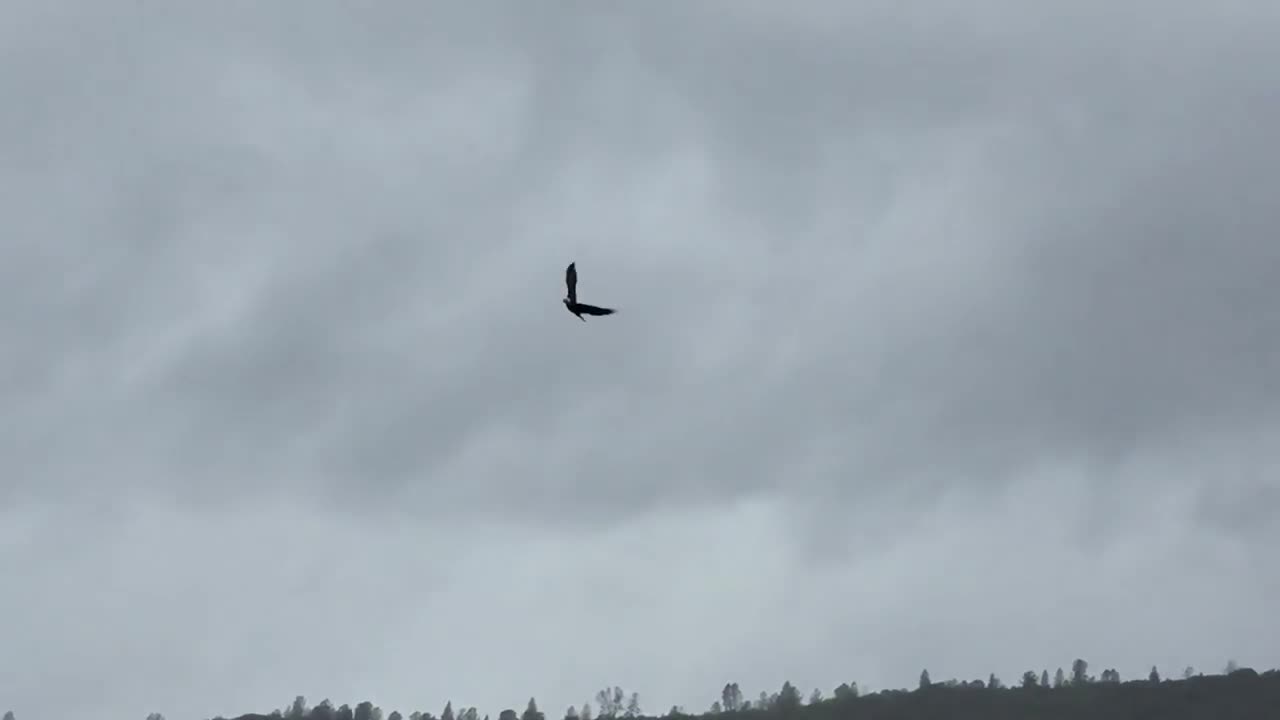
x: 1235, y: 694
x: 1066, y: 695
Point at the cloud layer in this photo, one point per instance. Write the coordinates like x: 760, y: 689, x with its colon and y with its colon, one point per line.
x: 946, y: 339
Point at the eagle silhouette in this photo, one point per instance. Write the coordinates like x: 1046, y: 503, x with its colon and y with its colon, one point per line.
x: 571, y: 301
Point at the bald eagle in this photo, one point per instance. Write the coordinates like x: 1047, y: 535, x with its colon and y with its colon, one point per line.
x: 571, y: 301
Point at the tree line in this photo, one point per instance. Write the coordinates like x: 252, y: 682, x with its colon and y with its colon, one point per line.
x: 1236, y: 694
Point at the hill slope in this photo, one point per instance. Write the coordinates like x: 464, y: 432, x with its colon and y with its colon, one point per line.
x: 1242, y: 695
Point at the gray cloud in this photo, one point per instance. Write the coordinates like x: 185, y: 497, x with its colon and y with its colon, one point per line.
x: 945, y: 339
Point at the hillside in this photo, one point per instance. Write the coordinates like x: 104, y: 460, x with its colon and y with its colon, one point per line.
x: 1243, y: 694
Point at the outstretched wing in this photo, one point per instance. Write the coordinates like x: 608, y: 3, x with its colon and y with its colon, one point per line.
x: 571, y: 282
x: 593, y: 310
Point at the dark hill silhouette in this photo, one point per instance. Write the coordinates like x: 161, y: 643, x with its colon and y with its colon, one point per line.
x: 1238, y: 694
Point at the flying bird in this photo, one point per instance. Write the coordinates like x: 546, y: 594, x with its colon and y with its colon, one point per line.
x: 571, y: 302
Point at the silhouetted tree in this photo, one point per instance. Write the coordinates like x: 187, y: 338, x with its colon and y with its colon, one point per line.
x: 585, y: 713
x: 508, y: 714
x: 1188, y: 673
x: 8, y: 715
x: 1231, y: 667
x: 1059, y: 678
x: 531, y: 712
x: 924, y: 679
x: 395, y: 715
x: 1154, y: 676
x: 323, y: 711
x: 1079, y: 672
x: 716, y: 708
x: 633, y: 705
x: 610, y: 701
x: 993, y: 682
x: 447, y: 713
x: 731, y: 697
x: 846, y: 691
x: 789, y: 698
x: 1044, y: 678
x: 1029, y: 679
x: 155, y: 716
x: 570, y: 714
x: 815, y: 697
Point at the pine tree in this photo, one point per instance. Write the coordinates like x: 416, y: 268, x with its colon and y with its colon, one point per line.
x: 531, y: 712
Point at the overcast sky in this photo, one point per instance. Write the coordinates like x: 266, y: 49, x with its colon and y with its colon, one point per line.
x: 948, y: 338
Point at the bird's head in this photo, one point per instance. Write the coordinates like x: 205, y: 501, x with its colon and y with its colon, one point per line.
x: 565, y: 301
